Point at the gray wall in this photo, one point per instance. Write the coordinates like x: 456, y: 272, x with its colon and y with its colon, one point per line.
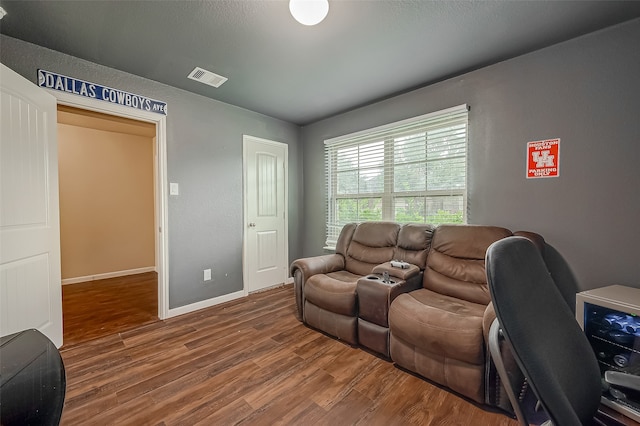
x: 204, y: 155
x: 586, y: 92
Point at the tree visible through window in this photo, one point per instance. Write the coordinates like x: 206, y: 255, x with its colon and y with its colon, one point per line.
x: 411, y: 171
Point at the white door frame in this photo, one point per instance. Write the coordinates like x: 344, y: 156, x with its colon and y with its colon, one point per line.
x: 160, y: 167
x: 246, y: 139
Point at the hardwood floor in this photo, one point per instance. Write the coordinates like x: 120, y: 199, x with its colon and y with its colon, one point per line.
x: 250, y: 362
x: 103, y: 307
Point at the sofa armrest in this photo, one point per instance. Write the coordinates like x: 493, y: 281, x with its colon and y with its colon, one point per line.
x: 403, y: 274
x: 302, y: 269
x: 412, y: 283
x: 318, y: 264
x: 487, y: 320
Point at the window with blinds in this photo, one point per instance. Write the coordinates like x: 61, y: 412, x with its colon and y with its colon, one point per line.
x: 414, y: 170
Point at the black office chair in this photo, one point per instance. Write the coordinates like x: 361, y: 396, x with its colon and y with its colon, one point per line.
x: 543, y: 336
x: 32, y: 380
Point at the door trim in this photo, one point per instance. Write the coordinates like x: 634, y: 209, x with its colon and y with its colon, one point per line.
x: 246, y: 139
x: 162, y: 248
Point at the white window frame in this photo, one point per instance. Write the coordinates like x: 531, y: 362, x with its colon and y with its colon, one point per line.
x: 388, y: 133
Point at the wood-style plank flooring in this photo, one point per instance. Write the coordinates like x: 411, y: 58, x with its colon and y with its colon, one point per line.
x: 102, y: 307
x: 248, y: 362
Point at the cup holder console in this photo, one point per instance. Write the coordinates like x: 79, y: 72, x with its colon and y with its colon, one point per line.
x: 378, y: 278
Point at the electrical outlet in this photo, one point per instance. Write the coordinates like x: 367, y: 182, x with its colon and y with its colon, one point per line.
x: 207, y: 274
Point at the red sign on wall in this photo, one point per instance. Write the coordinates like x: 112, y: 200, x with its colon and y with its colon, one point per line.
x: 543, y: 158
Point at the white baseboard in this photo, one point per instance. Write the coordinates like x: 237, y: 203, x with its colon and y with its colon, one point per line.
x: 108, y: 275
x: 206, y: 303
x: 288, y: 281
x: 260, y: 290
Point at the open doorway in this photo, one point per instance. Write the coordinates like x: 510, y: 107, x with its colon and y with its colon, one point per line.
x: 108, y: 223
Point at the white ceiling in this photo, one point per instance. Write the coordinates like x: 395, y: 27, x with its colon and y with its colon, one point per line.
x: 364, y: 51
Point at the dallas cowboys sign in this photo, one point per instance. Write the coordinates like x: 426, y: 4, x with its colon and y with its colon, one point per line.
x: 87, y: 89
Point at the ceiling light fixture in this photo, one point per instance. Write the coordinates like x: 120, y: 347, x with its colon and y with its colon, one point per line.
x: 309, y: 12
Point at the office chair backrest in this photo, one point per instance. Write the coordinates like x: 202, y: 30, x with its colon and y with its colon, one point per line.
x: 547, y: 343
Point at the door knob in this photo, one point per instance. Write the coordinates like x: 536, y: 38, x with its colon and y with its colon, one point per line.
x: 252, y: 225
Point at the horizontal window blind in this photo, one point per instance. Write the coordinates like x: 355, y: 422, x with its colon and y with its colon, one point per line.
x: 414, y: 170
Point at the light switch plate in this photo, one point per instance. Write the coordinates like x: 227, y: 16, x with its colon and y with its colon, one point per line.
x: 207, y: 274
x: 174, y: 189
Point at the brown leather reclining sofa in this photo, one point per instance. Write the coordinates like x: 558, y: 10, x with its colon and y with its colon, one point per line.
x: 431, y: 318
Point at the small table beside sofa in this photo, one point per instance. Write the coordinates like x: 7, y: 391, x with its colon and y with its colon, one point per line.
x: 431, y: 318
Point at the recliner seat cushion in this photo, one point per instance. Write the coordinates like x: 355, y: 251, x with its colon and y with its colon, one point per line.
x: 440, y: 324
x: 334, y: 292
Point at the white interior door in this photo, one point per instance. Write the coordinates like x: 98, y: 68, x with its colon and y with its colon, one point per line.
x: 265, y: 213
x: 30, y: 283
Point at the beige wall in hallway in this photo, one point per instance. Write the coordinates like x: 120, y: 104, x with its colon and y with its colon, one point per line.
x: 106, y: 193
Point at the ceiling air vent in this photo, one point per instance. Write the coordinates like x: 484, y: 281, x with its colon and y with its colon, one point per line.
x: 207, y: 77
